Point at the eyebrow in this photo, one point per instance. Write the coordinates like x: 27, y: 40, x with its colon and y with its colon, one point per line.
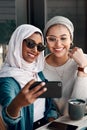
x: 58, y: 36
x: 64, y: 35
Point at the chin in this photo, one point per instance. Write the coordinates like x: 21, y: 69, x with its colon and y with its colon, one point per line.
x: 59, y: 54
x: 29, y: 60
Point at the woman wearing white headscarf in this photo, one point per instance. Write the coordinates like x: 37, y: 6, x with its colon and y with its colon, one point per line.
x: 63, y: 63
x: 21, y: 110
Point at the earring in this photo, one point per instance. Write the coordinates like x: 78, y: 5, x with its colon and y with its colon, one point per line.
x: 71, y: 45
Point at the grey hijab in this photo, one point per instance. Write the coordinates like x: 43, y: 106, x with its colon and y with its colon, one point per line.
x: 60, y: 20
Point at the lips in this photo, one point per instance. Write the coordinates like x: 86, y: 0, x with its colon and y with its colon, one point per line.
x: 31, y: 55
x: 58, y: 49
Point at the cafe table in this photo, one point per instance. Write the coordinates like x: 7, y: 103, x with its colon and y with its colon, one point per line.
x: 65, y: 119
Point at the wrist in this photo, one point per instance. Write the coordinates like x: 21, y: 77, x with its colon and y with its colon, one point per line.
x: 12, y: 116
x: 13, y: 110
x: 81, y: 74
x: 82, y: 69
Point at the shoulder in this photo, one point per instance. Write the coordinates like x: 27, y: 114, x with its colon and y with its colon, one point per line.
x: 47, y: 56
x: 8, y: 81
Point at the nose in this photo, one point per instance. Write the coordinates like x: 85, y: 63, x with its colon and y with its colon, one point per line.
x: 58, y: 42
x: 35, y: 49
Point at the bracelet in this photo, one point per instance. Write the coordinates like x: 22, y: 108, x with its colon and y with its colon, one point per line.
x: 12, y: 116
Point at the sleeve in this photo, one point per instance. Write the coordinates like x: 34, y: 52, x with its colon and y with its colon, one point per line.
x: 8, y: 120
x: 7, y: 94
x: 80, y: 88
x: 51, y: 109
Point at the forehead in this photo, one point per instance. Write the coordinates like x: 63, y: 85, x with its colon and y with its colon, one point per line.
x: 37, y: 37
x: 58, y: 29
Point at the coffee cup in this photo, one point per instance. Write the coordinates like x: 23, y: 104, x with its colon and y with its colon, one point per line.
x: 76, y: 108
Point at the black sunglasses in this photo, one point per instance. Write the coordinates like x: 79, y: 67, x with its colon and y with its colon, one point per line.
x: 31, y: 44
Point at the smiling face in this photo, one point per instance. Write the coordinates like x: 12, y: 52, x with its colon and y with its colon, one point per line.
x: 59, y: 40
x: 30, y: 54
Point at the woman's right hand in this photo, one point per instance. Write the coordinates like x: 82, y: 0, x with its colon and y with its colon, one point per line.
x: 25, y: 97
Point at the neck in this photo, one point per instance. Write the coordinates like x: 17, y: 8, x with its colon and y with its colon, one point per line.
x: 57, y: 61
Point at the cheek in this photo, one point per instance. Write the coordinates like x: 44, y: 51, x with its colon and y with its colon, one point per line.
x: 24, y: 51
x: 49, y: 46
x: 67, y: 46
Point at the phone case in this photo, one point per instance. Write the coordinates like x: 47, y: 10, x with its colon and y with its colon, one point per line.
x: 54, y: 89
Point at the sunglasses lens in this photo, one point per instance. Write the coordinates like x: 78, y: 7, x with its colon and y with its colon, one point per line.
x: 30, y: 44
x: 40, y: 47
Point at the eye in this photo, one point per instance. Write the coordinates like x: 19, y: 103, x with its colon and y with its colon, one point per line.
x: 63, y: 38
x: 52, y: 39
x: 30, y: 43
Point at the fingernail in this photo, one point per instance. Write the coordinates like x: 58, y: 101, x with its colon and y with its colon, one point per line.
x: 45, y: 89
x: 43, y: 83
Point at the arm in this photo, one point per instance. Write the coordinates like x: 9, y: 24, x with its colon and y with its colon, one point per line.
x: 80, y: 86
x: 79, y: 57
x: 9, y: 88
x: 15, y: 99
x: 24, y: 98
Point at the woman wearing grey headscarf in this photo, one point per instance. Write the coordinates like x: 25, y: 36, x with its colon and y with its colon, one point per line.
x: 21, y: 107
x: 63, y: 63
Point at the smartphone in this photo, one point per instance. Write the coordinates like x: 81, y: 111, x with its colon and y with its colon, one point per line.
x: 54, y: 89
x: 61, y: 126
x: 35, y: 84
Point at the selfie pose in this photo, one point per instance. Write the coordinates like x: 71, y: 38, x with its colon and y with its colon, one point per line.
x: 21, y: 107
x: 65, y: 63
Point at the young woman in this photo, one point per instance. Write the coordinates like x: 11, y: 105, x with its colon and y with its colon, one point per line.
x: 63, y: 63
x: 21, y: 107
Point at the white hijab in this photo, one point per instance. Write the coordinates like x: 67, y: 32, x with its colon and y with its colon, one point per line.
x: 14, y: 65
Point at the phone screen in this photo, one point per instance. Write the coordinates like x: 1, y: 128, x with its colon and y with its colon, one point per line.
x: 61, y: 126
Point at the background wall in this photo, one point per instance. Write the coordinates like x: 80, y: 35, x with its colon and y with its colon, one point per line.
x: 37, y: 12
x: 7, y: 19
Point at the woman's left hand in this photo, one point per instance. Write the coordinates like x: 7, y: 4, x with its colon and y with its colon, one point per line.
x: 78, y: 55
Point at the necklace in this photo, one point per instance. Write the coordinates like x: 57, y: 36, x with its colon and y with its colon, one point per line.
x: 60, y: 72
x: 60, y: 69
